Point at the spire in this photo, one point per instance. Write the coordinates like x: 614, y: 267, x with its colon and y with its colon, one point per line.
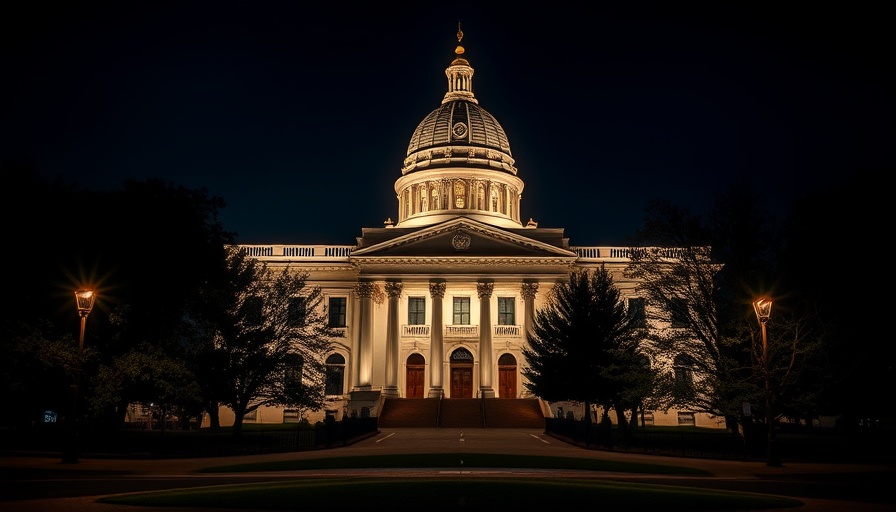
x: 460, y: 75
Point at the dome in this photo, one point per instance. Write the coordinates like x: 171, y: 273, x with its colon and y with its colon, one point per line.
x: 459, y: 123
x: 459, y: 132
x: 459, y: 161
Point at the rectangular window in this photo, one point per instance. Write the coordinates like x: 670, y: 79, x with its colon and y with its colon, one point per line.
x: 252, y: 311
x: 679, y: 314
x: 647, y: 418
x: 686, y: 418
x: 461, y: 311
x: 416, y: 310
x: 505, y: 310
x: 336, y: 312
x: 296, y: 312
x: 637, y: 312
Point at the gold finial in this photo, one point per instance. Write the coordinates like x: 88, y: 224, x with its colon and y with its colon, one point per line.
x: 460, y: 35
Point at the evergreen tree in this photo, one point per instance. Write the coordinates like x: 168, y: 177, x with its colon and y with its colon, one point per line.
x: 571, y: 353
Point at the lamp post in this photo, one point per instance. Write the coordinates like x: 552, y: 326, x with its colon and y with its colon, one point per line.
x: 84, y: 299
x: 763, y: 308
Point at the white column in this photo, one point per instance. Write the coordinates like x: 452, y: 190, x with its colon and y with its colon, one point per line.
x: 436, y: 349
x: 365, y: 342
x: 484, y: 289
x: 390, y: 390
x: 528, y: 290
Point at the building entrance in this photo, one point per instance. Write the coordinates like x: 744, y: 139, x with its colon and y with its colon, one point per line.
x: 507, y: 376
x: 416, y: 367
x: 461, y: 374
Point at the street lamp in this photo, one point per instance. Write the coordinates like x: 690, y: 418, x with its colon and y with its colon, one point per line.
x: 84, y: 300
x: 763, y: 308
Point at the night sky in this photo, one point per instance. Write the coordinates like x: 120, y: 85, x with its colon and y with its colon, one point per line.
x: 299, y: 117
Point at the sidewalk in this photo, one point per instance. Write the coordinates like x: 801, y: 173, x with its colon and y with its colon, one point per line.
x: 412, y: 440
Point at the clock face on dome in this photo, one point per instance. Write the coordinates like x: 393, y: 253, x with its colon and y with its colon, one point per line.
x: 459, y: 130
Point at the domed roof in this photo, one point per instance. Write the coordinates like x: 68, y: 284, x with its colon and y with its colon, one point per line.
x: 459, y: 122
x: 459, y: 132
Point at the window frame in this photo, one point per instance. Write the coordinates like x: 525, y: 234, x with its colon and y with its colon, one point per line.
x: 336, y: 316
x: 460, y: 316
x: 416, y: 310
x: 506, y: 317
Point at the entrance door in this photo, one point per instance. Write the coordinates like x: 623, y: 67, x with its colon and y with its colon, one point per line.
x: 461, y: 373
x: 461, y: 381
x: 506, y: 376
x: 416, y: 366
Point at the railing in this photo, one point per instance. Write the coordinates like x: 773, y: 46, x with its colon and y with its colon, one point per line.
x: 325, y: 253
x: 625, y: 253
x: 415, y: 331
x: 507, y: 331
x: 454, y: 331
x: 299, y: 252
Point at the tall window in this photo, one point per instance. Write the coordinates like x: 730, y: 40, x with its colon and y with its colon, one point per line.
x: 335, y: 374
x: 679, y: 314
x: 252, y: 313
x: 336, y: 312
x: 684, y: 370
x: 505, y: 310
x: 461, y: 311
x: 460, y: 192
x: 637, y: 312
x: 416, y: 310
x: 295, y: 314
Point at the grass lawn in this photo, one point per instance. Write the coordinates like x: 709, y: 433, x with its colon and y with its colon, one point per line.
x: 452, y: 492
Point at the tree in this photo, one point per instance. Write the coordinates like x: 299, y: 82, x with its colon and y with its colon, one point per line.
x: 267, y: 337
x: 121, y: 244
x: 700, y: 295
x: 575, y: 341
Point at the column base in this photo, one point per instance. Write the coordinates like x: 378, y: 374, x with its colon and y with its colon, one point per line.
x: 435, y: 393
x: 487, y: 393
x: 391, y: 392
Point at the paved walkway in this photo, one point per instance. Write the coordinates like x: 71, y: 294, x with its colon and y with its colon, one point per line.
x: 809, y: 482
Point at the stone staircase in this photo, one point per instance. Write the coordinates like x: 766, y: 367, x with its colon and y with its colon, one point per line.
x: 461, y: 413
x: 409, y: 412
x: 513, y: 413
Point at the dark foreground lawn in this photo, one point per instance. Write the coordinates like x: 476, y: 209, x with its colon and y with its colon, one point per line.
x: 452, y: 490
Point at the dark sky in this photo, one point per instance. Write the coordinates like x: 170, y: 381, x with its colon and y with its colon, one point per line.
x: 299, y: 117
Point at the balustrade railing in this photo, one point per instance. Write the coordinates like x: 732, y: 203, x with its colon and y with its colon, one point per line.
x: 507, y: 331
x: 454, y: 331
x: 415, y: 331
x: 344, y: 252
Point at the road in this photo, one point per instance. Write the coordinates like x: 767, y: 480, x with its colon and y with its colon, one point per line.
x: 42, y: 482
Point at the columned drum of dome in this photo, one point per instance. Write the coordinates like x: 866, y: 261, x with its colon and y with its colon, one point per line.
x: 459, y: 161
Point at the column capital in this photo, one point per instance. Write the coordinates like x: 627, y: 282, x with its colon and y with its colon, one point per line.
x: 437, y: 289
x: 529, y: 289
x: 484, y: 289
x: 393, y: 289
x: 365, y: 290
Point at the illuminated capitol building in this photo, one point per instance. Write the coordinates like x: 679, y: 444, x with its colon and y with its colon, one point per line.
x: 435, y: 304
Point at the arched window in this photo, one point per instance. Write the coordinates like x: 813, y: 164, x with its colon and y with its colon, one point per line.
x: 460, y: 194
x: 335, y: 374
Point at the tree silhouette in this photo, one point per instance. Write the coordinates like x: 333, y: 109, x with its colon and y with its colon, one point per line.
x: 575, y: 343
x: 265, y: 352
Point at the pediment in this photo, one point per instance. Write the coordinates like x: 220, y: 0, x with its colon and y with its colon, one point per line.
x: 462, y: 238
